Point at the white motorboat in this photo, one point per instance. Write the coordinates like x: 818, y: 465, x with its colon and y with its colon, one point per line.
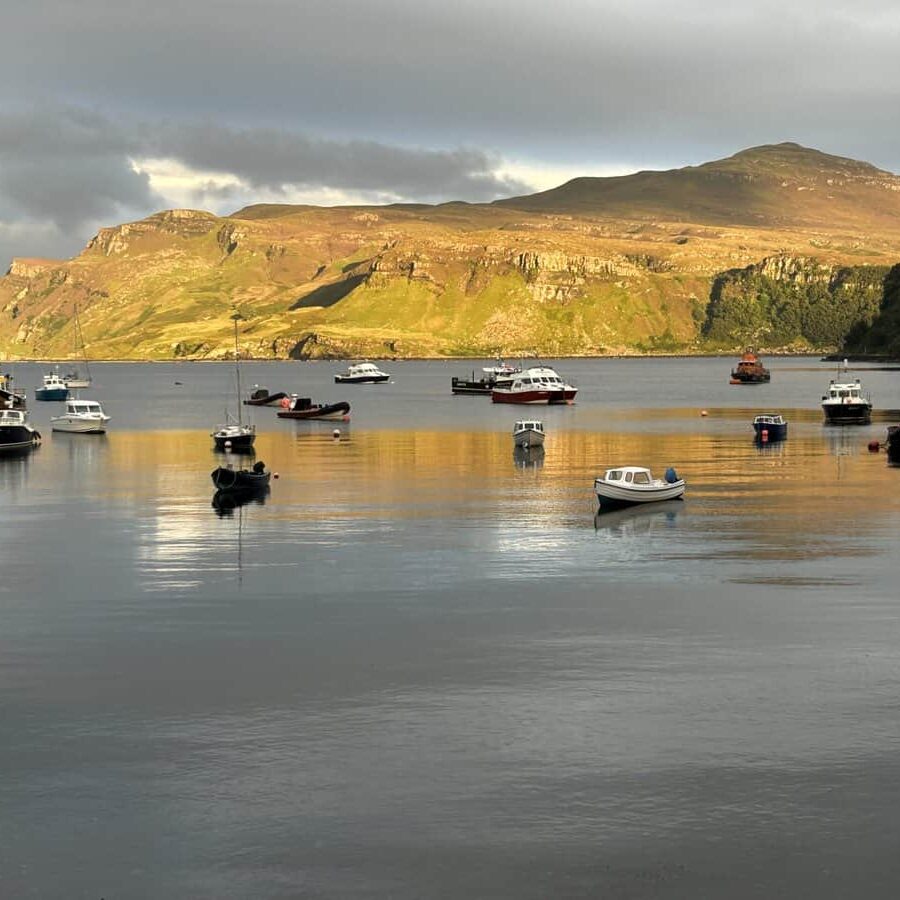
x: 529, y: 433
x: 629, y: 485
x: 502, y: 371
x: 16, y: 434
x: 845, y: 404
x: 81, y: 417
x: 362, y: 373
x: 539, y: 384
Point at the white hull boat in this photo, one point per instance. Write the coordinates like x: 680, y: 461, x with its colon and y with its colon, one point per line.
x: 529, y: 433
x: 362, y: 373
x: 81, y: 417
x: 632, y: 485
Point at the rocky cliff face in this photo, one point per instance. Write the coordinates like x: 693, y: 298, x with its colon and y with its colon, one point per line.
x: 412, y: 282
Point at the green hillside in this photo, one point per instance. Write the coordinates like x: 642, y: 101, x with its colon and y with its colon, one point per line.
x: 777, y: 246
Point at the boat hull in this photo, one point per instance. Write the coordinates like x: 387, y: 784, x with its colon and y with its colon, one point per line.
x: 847, y: 413
x: 529, y: 438
x: 78, y: 426
x: 534, y: 398
x: 18, y: 438
x: 892, y: 444
x: 361, y: 379
x: 324, y: 411
x: 267, y: 400
x: 236, y: 443
x: 614, y: 495
x: 51, y: 393
x: 770, y: 433
x: 742, y: 378
x: 239, y: 480
x: 471, y: 387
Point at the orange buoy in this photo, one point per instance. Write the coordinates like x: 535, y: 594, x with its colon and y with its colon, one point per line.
x: 285, y: 402
x: 703, y: 412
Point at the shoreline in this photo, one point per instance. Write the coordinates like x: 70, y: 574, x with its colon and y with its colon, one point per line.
x: 820, y: 355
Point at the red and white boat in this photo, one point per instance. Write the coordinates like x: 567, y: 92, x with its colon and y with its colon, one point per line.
x: 538, y: 384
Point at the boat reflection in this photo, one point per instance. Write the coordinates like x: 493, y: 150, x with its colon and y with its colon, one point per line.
x: 638, y: 519
x: 14, y: 467
x: 226, y: 502
x: 528, y: 457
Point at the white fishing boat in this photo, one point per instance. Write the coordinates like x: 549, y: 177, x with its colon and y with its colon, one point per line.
x: 362, y: 373
x: 81, y: 417
x: 539, y: 384
x: 529, y: 433
x: 629, y: 485
x: 846, y: 404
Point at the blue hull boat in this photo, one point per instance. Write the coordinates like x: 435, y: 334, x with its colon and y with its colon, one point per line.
x: 770, y: 428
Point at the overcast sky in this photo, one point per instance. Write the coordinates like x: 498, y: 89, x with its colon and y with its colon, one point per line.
x: 112, y: 109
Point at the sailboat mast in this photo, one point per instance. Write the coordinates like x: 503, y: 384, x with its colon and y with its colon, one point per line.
x: 237, y: 367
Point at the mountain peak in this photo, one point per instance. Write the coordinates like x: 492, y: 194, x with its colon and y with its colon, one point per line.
x: 769, y: 185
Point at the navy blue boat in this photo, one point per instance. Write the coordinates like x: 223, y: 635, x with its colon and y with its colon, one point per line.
x: 770, y: 427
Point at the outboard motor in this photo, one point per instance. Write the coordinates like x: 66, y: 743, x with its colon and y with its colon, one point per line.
x: 671, y: 475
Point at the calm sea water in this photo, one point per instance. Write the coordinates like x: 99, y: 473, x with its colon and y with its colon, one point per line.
x: 422, y: 668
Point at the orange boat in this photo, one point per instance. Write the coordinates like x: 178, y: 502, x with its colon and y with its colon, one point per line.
x: 749, y: 370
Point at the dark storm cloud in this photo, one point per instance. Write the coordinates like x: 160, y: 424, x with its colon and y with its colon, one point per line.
x: 266, y: 158
x: 647, y: 80
x: 69, y: 169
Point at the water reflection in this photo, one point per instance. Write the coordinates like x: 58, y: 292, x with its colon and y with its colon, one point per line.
x: 529, y: 457
x: 638, y: 520
x: 14, y: 466
x: 226, y: 502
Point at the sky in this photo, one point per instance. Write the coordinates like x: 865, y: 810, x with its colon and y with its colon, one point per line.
x: 113, y: 109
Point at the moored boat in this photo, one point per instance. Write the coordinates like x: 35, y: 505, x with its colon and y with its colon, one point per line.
x: 16, y: 434
x: 53, y: 388
x: 846, y: 404
x: 749, y: 370
x: 262, y: 397
x: 892, y: 444
x: 227, y: 478
x: 528, y: 433
x: 10, y: 398
x: 770, y: 427
x: 304, y: 408
x: 81, y: 417
x: 362, y: 373
x: 233, y: 434
x: 630, y: 485
x: 538, y: 384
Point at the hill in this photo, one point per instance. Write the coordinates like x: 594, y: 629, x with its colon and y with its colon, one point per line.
x: 776, y: 246
x: 774, y: 186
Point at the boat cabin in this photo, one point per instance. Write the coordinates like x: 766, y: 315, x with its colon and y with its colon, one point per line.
x: 83, y: 408
x: 629, y: 475
x: 844, y: 393
x: 529, y: 425
x: 769, y: 419
x: 12, y: 417
x: 364, y: 369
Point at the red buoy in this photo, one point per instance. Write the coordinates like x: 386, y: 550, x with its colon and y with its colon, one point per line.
x: 764, y: 435
x: 874, y: 446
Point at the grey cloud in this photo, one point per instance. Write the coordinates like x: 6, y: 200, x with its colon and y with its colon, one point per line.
x: 69, y: 167
x: 649, y: 81
x: 66, y: 167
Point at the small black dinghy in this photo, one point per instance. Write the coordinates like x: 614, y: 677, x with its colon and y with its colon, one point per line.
x: 227, y: 478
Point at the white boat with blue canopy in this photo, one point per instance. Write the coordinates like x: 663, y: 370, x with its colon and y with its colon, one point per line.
x: 629, y: 485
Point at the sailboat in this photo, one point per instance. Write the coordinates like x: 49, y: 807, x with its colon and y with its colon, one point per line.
x: 234, y: 435
x: 73, y: 379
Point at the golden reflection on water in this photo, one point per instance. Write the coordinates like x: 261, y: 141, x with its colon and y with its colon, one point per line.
x: 818, y: 494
